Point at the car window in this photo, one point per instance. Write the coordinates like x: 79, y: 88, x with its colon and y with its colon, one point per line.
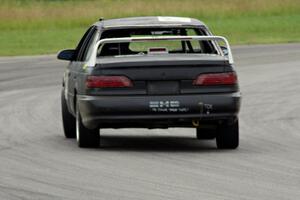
x: 79, y: 46
x: 85, y: 42
x: 197, y: 46
x: 134, y: 48
x: 89, y: 47
x: 171, y: 46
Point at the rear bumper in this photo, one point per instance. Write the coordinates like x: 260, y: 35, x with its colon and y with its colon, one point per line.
x: 157, y: 111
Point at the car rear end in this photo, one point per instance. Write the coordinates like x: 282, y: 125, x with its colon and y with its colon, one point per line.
x: 158, y: 88
x: 158, y: 92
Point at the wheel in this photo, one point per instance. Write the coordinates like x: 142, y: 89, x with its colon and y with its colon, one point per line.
x: 205, y: 133
x: 228, y: 135
x: 86, y: 138
x: 69, y: 121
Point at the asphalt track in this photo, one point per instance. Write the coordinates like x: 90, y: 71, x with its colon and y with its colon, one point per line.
x: 37, y: 162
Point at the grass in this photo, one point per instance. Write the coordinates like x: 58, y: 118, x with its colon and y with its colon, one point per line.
x: 45, y: 26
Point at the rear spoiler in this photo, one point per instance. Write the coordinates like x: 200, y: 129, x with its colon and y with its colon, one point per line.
x: 92, y: 60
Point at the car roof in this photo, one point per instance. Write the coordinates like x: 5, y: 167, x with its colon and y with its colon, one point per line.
x: 148, y: 21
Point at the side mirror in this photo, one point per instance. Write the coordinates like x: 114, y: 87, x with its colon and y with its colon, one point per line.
x: 67, y: 54
x: 225, y: 50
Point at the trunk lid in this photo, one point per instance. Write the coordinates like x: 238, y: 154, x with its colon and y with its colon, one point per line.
x: 161, y: 74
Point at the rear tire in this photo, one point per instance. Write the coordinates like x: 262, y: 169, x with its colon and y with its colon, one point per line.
x: 86, y: 138
x: 228, y: 135
x: 69, y: 121
x: 205, y: 134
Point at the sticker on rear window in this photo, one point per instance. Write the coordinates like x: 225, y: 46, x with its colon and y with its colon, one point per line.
x: 174, y: 19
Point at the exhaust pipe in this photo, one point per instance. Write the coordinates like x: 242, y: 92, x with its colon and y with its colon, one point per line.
x: 195, y: 123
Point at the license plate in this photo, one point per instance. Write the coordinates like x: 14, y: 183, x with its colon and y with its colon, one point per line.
x: 163, y: 87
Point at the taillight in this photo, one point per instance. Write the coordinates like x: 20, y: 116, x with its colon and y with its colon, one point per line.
x: 108, y: 82
x: 229, y: 78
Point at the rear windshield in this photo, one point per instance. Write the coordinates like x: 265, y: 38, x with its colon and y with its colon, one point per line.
x: 145, y: 47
